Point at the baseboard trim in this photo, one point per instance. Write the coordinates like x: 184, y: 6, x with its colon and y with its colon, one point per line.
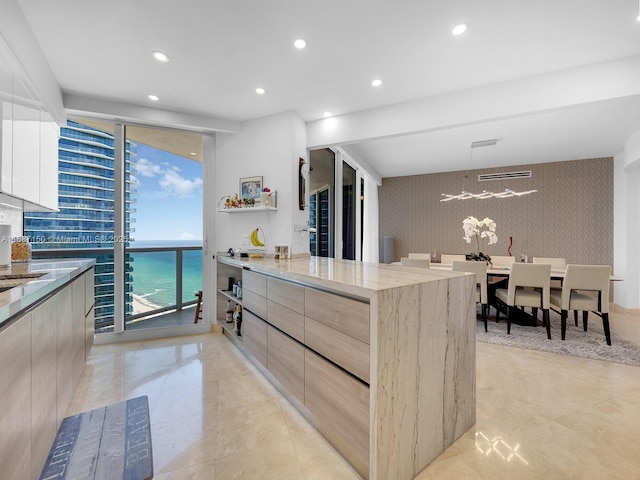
x: 151, y: 333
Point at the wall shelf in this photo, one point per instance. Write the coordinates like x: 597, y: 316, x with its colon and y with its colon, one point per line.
x: 248, y: 209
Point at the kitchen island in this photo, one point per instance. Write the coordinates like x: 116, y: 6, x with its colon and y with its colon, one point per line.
x: 46, y: 332
x: 379, y: 358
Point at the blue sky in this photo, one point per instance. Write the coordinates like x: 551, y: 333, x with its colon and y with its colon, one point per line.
x: 169, y: 198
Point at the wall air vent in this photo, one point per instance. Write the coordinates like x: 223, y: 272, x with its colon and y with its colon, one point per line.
x: 504, y: 175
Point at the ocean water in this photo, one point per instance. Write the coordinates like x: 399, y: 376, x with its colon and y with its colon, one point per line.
x: 154, y: 277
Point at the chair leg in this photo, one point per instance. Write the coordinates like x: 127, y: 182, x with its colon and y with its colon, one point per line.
x: 605, y: 324
x: 534, y: 314
x: 497, y: 310
x: 563, y: 322
x: 485, y: 314
x: 585, y: 319
x: 575, y: 316
x: 510, y: 310
x: 546, y: 321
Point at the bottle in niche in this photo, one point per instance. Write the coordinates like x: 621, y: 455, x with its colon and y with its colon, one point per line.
x: 237, y: 320
x: 228, y: 317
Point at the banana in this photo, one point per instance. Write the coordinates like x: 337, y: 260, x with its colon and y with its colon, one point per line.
x: 255, y: 241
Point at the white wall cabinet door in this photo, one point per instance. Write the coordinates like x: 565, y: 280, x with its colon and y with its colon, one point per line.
x: 49, y: 136
x: 6, y: 128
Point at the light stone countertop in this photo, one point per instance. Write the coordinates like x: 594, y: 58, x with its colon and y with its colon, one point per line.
x: 56, y: 273
x: 359, y: 279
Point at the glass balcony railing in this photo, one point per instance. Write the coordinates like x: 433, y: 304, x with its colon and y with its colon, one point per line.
x: 158, y: 281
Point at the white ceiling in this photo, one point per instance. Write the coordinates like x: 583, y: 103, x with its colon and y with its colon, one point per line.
x: 222, y: 50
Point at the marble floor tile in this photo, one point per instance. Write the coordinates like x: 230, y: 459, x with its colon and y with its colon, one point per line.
x: 540, y: 416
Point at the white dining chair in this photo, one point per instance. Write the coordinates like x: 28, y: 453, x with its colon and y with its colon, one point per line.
x: 448, y: 258
x: 498, y: 261
x: 585, y: 288
x: 556, y: 263
x: 529, y: 286
x: 420, y: 256
x: 480, y: 269
x: 415, y: 262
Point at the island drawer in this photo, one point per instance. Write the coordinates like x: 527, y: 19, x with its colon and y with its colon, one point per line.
x: 348, y: 352
x: 254, y: 282
x: 286, y: 362
x: 341, y: 404
x: 255, y: 303
x: 286, y: 294
x: 286, y: 320
x: 346, y: 315
x: 254, y: 332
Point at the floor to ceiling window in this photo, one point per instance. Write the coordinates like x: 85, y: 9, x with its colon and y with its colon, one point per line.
x: 132, y: 201
x: 166, y: 246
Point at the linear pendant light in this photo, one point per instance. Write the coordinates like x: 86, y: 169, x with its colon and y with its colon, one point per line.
x: 464, y: 195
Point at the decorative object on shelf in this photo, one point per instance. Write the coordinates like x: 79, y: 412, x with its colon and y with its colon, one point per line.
x: 268, y: 198
x: 464, y: 195
x: 282, y: 252
x: 250, y: 187
x: 237, y: 320
x: 479, y: 229
x: 228, y: 317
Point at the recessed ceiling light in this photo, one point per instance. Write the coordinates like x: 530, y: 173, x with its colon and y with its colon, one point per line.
x: 193, y: 154
x: 459, y: 29
x: 326, y: 114
x: 160, y: 56
x: 260, y: 91
x: 155, y: 98
x: 300, y: 43
x: 377, y: 82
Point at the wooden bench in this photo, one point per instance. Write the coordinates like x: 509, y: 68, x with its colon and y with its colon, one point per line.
x: 113, y: 442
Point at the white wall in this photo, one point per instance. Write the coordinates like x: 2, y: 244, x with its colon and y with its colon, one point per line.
x: 269, y: 147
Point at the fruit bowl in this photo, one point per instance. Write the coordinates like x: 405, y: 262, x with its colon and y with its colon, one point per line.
x: 257, y: 252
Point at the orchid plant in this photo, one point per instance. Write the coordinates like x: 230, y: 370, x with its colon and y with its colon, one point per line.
x: 480, y: 229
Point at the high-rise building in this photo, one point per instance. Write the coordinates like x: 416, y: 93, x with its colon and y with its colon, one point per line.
x: 85, y: 220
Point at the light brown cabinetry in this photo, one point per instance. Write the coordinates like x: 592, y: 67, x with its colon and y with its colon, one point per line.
x: 341, y: 403
x: 290, y: 322
x: 315, y: 344
x: 15, y: 400
x: 286, y: 362
x: 42, y: 355
x: 254, y: 332
x: 286, y: 294
x: 346, y: 351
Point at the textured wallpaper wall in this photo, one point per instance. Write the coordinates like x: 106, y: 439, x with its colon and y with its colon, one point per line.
x: 571, y: 216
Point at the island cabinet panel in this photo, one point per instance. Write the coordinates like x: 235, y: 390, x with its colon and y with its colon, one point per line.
x: 286, y: 294
x: 254, y: 282
x: 345, y: 351
x: 345, y: 315
x: 286, y: 362
x: 255, y: 303
x: 290, y: 322
x: 254, y: 332
x: 341, y: 403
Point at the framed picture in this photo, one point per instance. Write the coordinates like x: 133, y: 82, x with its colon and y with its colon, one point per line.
x: 250, y: 187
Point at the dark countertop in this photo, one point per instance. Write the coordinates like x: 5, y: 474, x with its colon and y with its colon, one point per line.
x: 21, y: 297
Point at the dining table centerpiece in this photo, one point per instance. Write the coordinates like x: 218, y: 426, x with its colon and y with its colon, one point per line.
x: 482, y: 230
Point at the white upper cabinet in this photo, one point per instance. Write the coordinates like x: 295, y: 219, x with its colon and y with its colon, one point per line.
x: 6, y: 129
x: 28, y: 145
